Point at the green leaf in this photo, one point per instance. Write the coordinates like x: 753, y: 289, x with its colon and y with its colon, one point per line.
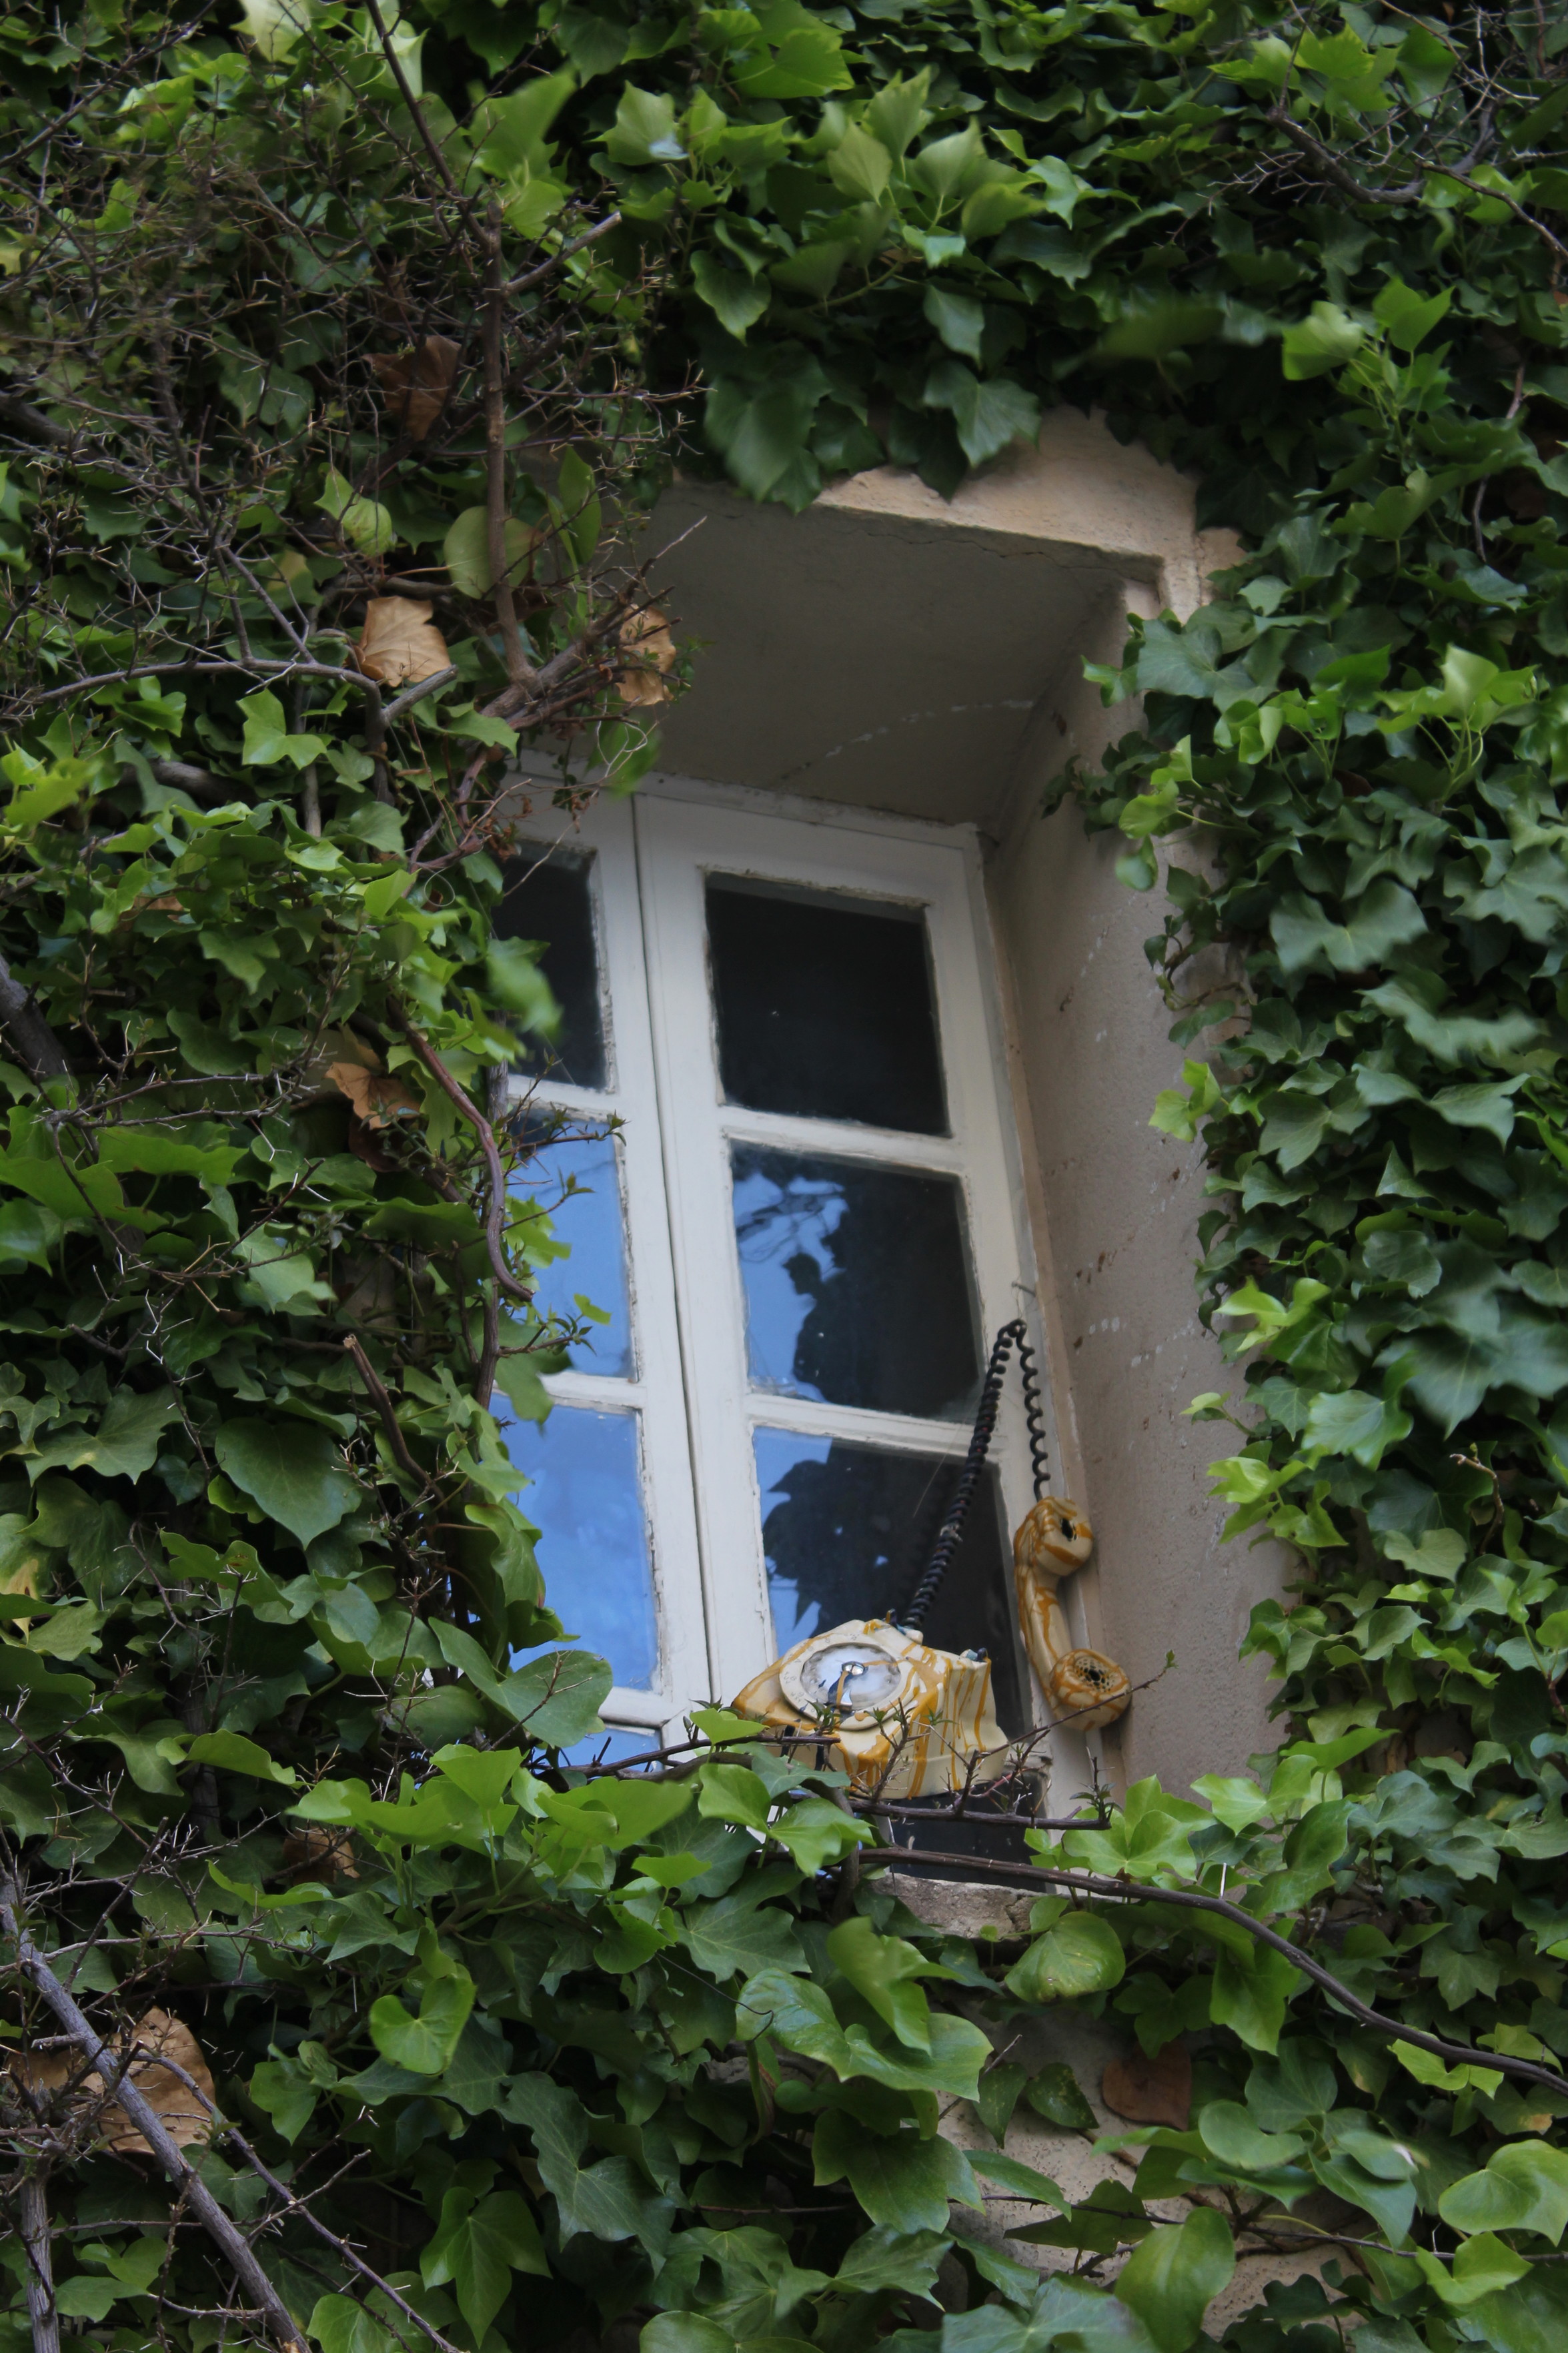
x: 292, y: 1469
x: 285, y: 2093
x: 643, y: 129
x: 736, y: 300
x: 891, y: 2259
x: 735, y: 1934
x: 479, y: 2243
x: 1148, y: 331
x: 1524, y: 2188
x: 1020, y: 2180
x: 266, y: 740
x: 424, y: 2044
x: 684, y: 2332
x: 1055, y: 2093
x: 340, y: 2325
x: 884, y: 1971
x: 733, y: 1793
x: 817, y: 1832
x: 1171, y: 2278
x: 1386, y: 918
x: 466, y: 551
x: 362, y: 523
x: 231, y: 1751
x: 1252, y: 1992
x: 515, y: 981
x: 124, y: 1445
x: 900, y: 2181
x: 1326, y: 338
x: 988, y: 416
x: 1081, y: 1954
x: 958, y: 319
x: 998, y: 2096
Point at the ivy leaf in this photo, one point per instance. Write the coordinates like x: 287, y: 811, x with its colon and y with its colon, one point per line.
x: 1172, y: 2278
x: 338, y: 2324
x: 424, y: 2044
x: 265, y: 737
x: 1081, y: 1954
x: 1387, y: 917
x: 1524, y: 2188
x: 958, y: 319
x: 883, y: 1971
x: 292, y: 1469
x: 900, y: 2181
x: 479, y: 2243
x: 736, y: 300
x: 988, y: 415
x: 1326, y: 338
x: 231, y: 1751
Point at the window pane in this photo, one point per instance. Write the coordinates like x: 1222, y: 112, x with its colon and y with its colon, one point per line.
x: 553, y: 902
x: 856, y: 1283
x: 825, y: 1007
x: 586, y: 1502
x: 847, y: 1532
x: 591, y: 1221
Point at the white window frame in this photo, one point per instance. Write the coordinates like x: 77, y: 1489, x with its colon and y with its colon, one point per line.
x: 654, y: 853
x: 682, y: 838
x: 654, y: 1390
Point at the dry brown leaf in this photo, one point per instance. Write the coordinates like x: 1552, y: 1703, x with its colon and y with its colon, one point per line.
x: 417, y: 383
x: 646, y: 635
x: 178, y: 2109
x: 398, y: 644
x: 1157, y: 2091
x: 312, y: 1854
x: 376, y: 1100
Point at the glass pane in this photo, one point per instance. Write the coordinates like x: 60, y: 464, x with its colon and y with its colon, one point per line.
x: 856, y: 1283
x: 553, y: 902
x: 825, y: 1007
x: 847, y: 1532
x: 589, y: 1218
x: 586, y: 1502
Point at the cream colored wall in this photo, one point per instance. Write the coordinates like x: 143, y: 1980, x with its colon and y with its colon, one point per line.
x: 1115, y: 1212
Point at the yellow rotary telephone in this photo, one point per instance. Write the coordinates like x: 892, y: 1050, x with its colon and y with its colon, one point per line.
x: 901, y: 1718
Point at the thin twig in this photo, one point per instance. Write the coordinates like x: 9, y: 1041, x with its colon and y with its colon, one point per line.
x: 496, y: 1204
x: 385, y: 1408
x: 532, y: 277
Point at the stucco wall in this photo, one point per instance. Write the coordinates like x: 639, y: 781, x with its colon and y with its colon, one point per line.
x: 1115, y: 1215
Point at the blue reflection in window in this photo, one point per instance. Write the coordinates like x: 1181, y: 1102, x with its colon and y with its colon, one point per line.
x: 778, y: 1451
x: 586, y: 1499
x: 589, y: 1222
x: 784, y: 1226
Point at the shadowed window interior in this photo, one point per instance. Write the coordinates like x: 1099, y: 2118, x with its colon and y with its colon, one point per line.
x: 553, y: 901
x: 825, y: 1006
x: 857, y: 1282
x: 848, y: 1530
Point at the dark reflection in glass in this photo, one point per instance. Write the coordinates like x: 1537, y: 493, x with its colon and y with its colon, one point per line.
x: 585, y: 1496
x: 825, y: 1007
x: 857, y: 1282
x: 847, y: 1532
x: 589, y: 1222
x: 553, y: 902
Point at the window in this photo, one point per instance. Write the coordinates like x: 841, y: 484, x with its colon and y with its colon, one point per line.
x: 802, y: 1230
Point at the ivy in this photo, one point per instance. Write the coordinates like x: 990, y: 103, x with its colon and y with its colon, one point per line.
x: 342, y: 1999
